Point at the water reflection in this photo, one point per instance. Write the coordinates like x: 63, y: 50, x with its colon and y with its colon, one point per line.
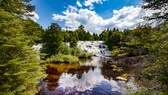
x: 82, y: 79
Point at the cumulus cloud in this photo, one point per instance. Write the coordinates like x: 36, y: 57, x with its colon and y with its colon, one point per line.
x: 92, y: 81
x: 32, y: 15
x: 90, y: 3
x: 125, y: 18
x: 78, y: 4
x: 88, y: 81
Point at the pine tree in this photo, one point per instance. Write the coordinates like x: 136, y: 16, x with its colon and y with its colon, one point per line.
x: 73, y: 42
x: 20, y: 69
x: 18, y: 7
x: 52, y: 39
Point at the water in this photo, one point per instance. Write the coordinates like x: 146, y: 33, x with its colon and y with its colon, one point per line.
x: 89, y: 77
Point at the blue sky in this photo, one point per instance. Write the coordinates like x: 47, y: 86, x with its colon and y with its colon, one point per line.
x: 95, y: 15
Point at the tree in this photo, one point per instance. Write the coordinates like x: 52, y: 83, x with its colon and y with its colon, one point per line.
x: 95, y: 36
x: 114, y: 40
x: 33, y: 30
x: 81, y: 33
x: 20, y: 69
x: 161, y: 5
x: 88, y: 36
x: 52, y: 39
x: 104, y: 35
x: 17, y: 6
x: 73, y: 42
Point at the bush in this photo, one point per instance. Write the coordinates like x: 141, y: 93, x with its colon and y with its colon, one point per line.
x: 81, y: 54
x: 60, y: 58
x: 118, y: 51
x: 74, y: 51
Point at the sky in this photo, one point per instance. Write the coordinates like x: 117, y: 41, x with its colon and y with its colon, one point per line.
x: 95, y: 15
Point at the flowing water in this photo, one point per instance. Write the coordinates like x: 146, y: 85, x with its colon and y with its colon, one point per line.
x: 89, y: 77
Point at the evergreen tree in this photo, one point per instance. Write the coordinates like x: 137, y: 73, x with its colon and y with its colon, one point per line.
x: 81, y: 33
x: 95, y: 36
x: 18, y: 7
x: 19, y: 67
x: 33, y: 30
x: 88, y: 36
x: 73, y: 42
x: 104, y: 35
x: 52, y: 39
x: 114, y: 40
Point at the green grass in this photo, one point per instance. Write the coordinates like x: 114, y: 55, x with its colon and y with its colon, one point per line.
x: 61, y: 58
x: 80, y: 53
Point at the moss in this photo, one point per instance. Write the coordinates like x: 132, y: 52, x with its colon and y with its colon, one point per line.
x: 115, y: 68
x: 118, y: 51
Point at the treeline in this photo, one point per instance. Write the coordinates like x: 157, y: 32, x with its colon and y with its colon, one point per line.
x: 54, y: 39
x: 21, y: 70
x: 148, y: 43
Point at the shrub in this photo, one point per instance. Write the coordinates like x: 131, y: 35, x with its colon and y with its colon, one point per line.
x: 60, y: 58
x: 80, y: 53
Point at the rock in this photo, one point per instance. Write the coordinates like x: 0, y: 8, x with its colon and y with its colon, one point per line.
x: 121, y: 78
x: 139, y: 51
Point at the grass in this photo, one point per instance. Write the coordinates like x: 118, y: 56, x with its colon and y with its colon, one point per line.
x: 80, y: 53
x: 61, y: 58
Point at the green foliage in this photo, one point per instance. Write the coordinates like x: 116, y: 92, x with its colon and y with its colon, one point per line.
x: 60, y: 58
x: 111, y: 37
x: 33, y: 30
x: 113, y: 40
x: 20, y: 69
x: 118, y: 51
x: 52, y: 39
x: 115, y: 68
x: 73, y: 42
x: 163, y: 65
x: 143, y: 41
x: 83, y: 35
x: 16, y: 6
x: 64, y: 49
x: 80, y: 53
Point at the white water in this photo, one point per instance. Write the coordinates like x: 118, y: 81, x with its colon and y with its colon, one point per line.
x: 97, y: 48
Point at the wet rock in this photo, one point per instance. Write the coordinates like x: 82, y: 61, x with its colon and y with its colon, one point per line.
x: 121, y: 78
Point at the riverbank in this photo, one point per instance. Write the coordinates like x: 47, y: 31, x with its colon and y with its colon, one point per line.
x: 138, y: 68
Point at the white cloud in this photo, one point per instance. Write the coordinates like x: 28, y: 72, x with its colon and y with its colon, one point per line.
x: 88, y: 81
x: 90, y: 3
x: 78, y: 4
x: 93, y: 79
x: 32, y: 15
x: 125, y: 18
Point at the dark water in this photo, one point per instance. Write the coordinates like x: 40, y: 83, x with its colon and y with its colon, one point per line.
x: 89, y: 77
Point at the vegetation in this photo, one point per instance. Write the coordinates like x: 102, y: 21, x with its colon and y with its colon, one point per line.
x: 60, y: 58
x: 62, y: 67
x: 144, y: 41
x: 80, y: 53
x: 53, y: 43
x: 149, y: 42
x: 52, y: 39
x: 20, y: 69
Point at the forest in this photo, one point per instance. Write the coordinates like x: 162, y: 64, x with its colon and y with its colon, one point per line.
x: 21, y: 70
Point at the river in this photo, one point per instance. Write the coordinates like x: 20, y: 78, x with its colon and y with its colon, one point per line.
x: 89, y: 77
